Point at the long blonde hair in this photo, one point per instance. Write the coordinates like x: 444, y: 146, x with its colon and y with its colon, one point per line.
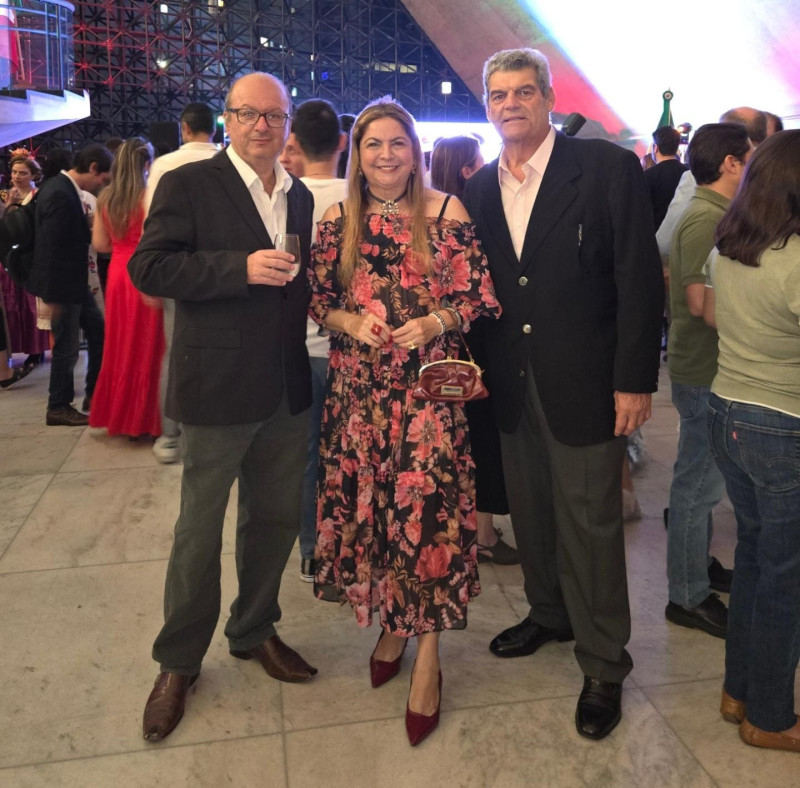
x: 124, y: 193
x: 356, y: 202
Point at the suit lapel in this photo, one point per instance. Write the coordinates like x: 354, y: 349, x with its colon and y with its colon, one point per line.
x: 496, y: 224
x: 556, y: 193
x: 234, y: 186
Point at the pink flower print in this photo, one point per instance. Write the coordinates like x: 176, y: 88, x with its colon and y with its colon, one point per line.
x: 487, y: 292
x: 452, y: 274
x: 361, y: 286
x: 434, y: 562
x: 425, y: 430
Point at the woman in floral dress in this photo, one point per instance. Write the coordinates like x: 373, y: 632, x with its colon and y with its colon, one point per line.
x: 396, y: 271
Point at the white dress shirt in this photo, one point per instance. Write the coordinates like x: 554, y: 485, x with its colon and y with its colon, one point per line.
x: 518, y: 198
x: 187, y: 153
x: 273, y: 208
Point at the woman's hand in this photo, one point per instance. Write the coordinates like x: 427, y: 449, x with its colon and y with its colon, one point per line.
x: 368, y: 329
x: 417, y: 332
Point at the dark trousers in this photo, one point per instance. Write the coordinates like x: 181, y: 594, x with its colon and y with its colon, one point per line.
x: 66, y: 322
x: 267, y: 458
x: 566, y: 511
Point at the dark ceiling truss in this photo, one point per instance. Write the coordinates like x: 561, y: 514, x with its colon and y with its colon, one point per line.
x: 141, y: 64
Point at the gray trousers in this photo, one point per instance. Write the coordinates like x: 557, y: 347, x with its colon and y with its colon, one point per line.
x: 267, y: 458
x: 169, y: 428
x: 566, y: 510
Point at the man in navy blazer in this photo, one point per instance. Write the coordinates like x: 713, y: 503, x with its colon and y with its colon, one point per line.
x: 568, y: 232
x: 239, y: 385
x: 60, y: 277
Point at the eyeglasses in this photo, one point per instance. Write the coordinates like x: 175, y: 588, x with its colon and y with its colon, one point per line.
x: 250, y: 117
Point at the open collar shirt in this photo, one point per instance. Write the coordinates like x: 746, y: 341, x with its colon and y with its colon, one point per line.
x: 272, y: 208
x: 519, y: 197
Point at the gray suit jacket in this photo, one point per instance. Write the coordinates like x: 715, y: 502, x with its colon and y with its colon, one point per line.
x: 236, y: 346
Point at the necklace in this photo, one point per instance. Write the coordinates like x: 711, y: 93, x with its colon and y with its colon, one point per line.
x: 388, y: 207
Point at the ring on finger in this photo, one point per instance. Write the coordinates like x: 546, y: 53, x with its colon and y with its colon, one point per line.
x: 411, y: 346
x: 376, y: 329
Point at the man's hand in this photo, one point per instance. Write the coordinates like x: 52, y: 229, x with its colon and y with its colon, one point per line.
x: 269, y: 267
x: 633, y: 410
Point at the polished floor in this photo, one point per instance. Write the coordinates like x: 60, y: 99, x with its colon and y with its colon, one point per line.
x: 85, y: 533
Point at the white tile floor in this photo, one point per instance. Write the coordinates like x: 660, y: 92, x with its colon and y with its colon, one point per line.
x: 85, y: 531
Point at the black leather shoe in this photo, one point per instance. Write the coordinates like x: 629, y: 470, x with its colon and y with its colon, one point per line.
x: 710, y: 615
x: 524, y: 638
x: 599, y: 708
x: 719, y: 578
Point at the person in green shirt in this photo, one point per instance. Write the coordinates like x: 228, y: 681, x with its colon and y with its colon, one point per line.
x: 717, y: 154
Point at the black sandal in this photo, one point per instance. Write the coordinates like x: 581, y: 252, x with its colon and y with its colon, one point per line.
x: 16, y: 376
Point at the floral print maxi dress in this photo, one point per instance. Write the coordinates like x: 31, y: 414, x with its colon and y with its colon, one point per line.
x: 396, y: 518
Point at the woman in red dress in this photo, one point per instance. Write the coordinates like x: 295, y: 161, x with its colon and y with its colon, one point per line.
x: 125, y: 400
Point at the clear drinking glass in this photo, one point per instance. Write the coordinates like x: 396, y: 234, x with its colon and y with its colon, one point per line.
x: 289, y: 242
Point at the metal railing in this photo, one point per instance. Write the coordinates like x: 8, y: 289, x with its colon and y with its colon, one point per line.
x: 36, y: 49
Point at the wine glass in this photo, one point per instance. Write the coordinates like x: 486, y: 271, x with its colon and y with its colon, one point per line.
x: 289, y: 242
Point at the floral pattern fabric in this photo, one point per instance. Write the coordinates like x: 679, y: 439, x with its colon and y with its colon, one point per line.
x: 396, y: 520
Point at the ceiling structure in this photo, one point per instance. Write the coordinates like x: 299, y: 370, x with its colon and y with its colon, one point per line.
x: 612, y: 61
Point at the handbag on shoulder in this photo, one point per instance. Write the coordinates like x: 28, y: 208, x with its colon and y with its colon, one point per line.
x: 451, y: 380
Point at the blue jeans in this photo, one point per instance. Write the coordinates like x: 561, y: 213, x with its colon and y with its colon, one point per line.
x: 308, y: 522
x: 66, y: 322
x: 697, y: 487
x: 758, y: 452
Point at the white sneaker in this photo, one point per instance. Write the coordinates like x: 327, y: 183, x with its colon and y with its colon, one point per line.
x: 166, y: 449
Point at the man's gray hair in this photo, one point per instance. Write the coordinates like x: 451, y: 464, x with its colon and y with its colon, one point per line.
x: 516, y: 60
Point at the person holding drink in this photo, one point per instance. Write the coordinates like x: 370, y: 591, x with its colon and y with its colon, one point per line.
x: 397, y: 272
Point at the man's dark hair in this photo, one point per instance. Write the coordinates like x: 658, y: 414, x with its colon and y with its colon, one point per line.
x: 199, y: 118
x: 667, y: 139
x: 754, y: 120
x: 93, y: 154
x: 55, y: 160
x: 316, y: 126
x: 711, y: 144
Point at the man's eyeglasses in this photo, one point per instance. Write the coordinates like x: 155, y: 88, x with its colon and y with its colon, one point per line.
x: 250, y: 117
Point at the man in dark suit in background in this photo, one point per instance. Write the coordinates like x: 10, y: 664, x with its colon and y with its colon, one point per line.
x: 568, y: 233
x: 60, y: 277
x: 239, y: 385
x: 662, y: 180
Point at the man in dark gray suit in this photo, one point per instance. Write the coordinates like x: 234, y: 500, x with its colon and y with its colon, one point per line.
x: 239, y: 385
x: 568, y: 232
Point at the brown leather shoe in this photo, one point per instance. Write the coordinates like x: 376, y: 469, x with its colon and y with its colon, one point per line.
x: 731, y: 710
x: 66, y: 417
x: 771, y: 741
x: 280, y: 661
x: 164, y: 707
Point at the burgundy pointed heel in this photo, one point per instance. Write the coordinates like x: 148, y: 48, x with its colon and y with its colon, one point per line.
x: 379, y: 671
x: 420, y: 726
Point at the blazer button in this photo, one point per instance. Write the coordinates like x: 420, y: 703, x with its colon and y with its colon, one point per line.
x: 522, y: 373
x: 523, y: 280
x: 526, y: 329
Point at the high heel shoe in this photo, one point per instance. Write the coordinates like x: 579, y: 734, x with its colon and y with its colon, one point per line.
x: 420, y: 726
x: 379, y: 671
x: 16, y: 376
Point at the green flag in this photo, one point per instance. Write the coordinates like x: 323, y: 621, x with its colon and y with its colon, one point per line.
x: 666, y: 115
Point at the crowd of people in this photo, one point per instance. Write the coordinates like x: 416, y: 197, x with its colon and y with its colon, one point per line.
x: 298, y: 377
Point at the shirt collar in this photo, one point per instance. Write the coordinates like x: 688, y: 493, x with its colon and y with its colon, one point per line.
x: 198, y: 146
x: 72, y: 181
x: 704, y: 193
x: 283, y: 181
x: 537, y: 162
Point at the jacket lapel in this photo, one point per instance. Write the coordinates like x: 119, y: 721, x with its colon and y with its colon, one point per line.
x: 234, y: 186
x: 556, y: 193
x: 496, y: 224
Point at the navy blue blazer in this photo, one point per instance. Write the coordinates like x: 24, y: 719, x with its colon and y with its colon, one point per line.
x: 583, y: 305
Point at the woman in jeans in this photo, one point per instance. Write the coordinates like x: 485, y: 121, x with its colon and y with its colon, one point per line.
x: 754, y: 429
